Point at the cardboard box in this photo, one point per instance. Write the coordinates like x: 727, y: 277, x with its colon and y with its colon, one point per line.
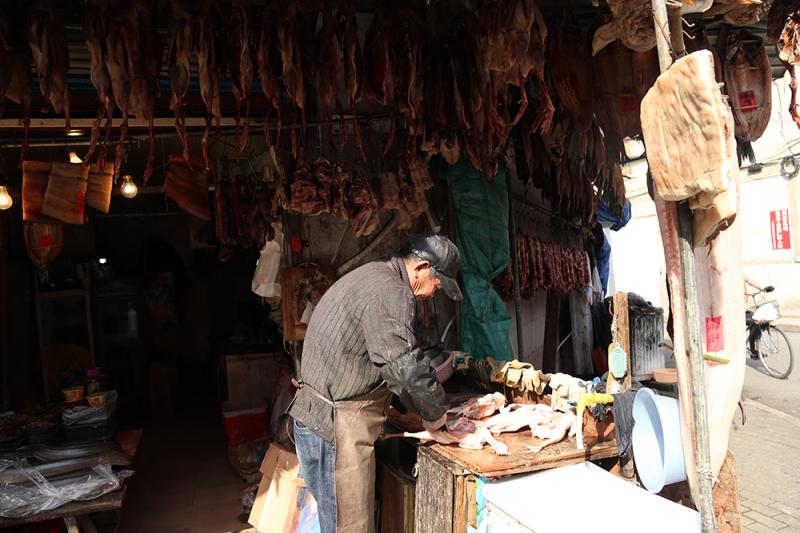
x: 277, y: 505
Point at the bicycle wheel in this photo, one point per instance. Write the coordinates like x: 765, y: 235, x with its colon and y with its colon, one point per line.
x: 774, y: 352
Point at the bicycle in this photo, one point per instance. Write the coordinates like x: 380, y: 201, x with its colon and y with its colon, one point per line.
x: 765, y: 341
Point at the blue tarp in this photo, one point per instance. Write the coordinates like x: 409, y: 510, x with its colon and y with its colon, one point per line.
x: 610, y: 220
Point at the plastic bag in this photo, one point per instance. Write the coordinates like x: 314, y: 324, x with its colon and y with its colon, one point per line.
x: 38, y: 494
x: 265, y: 277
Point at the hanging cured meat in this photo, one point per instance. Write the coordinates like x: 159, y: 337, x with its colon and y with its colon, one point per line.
x: 146, y: 68
x: 632, y: 24
x: 119, y: 48
x: 179, y: 52
x: 688, y: 129
x: 380, y: 67
x: 243, y: 66
x: 330, y: 61
x: 748, y: 78
x: 363, y: 205
x: 740, y: 12
x: 51, y: 55
x: 409, y: 40
x: 210, y: 60
x: 572, y: 78
x: 353, y: 70
x: 621, y: 79
x: 292, y: 61
x: 788, y: 46
x: 16, y: 83
x: 95, y: 30
x: 267, y: 64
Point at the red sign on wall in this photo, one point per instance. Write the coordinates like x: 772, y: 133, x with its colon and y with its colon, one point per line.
x: 779, y: 229
x: 715, y: 342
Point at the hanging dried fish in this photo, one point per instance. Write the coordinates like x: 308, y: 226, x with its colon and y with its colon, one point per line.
x: 179, y: 53
x: 210, y: 58
x: 51, y: 54
x: 95, y: 31
x: 267, y: 65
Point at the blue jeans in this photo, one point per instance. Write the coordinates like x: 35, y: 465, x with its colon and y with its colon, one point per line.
x: 317, y: 459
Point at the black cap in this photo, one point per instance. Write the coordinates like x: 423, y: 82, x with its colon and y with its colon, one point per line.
x: 443, y: 257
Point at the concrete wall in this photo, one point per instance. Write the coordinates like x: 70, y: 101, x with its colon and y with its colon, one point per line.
x: 637, y: 259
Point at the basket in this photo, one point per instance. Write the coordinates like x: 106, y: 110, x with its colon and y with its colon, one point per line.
x: 98, y: 189
x: 767, y: 312
x: 66, y: 192
x: 35, y: 175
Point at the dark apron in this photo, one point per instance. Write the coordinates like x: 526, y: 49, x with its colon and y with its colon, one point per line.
x: 357, y: 424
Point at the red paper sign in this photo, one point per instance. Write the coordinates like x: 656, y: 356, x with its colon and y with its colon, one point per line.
x: 46, y: 240
x: 747, y: 101
x: 628, y: 103
x: 715, y: 342
x: 779, y: 229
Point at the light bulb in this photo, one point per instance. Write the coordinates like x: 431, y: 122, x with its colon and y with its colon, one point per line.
x: 128, y: 189
x: 5, y: 199
x: 73, y: 158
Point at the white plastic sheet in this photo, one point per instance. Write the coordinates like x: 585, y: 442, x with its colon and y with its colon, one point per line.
x: 37, y: 494
x: 265, y: 279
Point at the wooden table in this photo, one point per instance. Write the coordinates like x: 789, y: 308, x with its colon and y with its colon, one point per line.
x: 446, y: 475
x: 74, y: 513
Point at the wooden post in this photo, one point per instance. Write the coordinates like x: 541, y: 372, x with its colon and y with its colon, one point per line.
x: 693, y: 347
x: 620, y: 303
x: 512, y: 237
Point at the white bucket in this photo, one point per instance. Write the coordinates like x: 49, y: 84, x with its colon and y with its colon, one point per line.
x: 656, y: 440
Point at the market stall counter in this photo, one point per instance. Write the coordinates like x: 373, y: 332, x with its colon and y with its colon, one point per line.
x: 447, y: 476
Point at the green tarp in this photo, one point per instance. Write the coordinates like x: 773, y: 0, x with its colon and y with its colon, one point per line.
x: 481, y: 210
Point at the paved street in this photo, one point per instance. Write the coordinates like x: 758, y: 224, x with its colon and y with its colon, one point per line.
x: 767, y: 450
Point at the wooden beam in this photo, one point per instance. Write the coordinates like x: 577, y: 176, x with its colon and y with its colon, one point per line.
x: 703, y: 499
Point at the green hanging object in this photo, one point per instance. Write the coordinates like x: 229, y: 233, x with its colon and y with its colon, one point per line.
x: 481, y: 213
x: 617, y: 361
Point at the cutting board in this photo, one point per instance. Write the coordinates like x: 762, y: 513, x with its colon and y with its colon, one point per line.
x: 293, y: 329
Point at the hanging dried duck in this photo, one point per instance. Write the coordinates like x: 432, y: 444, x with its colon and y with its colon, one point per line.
x: 409, y: 74
x: 243, y: 66
x: 210, y: 49
x: 353, y: 69
x: 292, y: 60
x: 51, y: 54
x: 572, y: 80
x: 621, y: 79
x: 740, y: 12
x: 119, y: 48
x: 330, y: 61
x: 379, y: 62
x: 535, y: 59
x: 179, y: 53
x: 789, y: 52
x: 15, y: 79
x: 748, y: 83
x: 95, y: 31
x: 146, y: 69
x: 267, y: 65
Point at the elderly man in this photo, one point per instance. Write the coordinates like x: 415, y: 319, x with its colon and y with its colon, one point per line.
x: 360, y: 348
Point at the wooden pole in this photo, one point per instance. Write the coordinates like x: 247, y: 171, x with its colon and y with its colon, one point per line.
x: 689, y: 277
x: 511, y: 167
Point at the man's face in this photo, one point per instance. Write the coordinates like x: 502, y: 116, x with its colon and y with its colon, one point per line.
x: 423, y: 283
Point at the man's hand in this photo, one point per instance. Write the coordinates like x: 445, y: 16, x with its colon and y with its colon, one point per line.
x: 436, y: 425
